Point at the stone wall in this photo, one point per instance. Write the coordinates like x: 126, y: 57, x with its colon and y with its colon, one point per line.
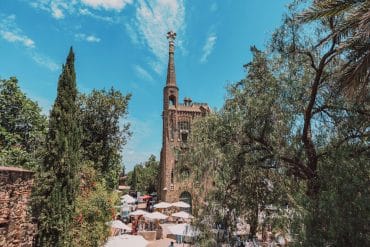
x: 16, y: 227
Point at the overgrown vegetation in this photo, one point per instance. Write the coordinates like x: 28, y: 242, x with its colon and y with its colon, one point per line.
x: 77, y: 159
x: 145, y: 176
x: 288, y: 134
x: 22, y: 127
x: 292, y: 136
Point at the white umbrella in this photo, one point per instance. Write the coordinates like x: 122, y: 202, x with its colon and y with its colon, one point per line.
x: 155, y: 216
x: 118, y: 224
x: 126, y: 240
x: 183, y: 230
x: 183, y: 215
x: 180, y: 204
x: 138, y: 212
x: 162, y: 205
x: 128, y: 199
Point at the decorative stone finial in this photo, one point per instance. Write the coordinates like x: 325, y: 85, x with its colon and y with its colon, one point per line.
x: 171, y: 36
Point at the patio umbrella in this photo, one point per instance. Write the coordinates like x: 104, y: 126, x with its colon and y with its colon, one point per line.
x: 128, y: 199
x: 162, y: 205
x: 183, y: 230
x: 126, y: 240
x: 119, y: 225
x: 145, y: 197
x: 183, y: 215
x: 180, y: 204
x: 138, y: 212
x: 155, y: 216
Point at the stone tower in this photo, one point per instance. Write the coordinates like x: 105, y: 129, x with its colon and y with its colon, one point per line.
x: 177, y: 119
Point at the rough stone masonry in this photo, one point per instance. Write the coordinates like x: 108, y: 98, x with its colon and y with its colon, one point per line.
x: 16, y: 227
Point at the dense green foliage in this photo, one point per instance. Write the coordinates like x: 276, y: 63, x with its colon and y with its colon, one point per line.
x: 287, y: 135
x: 101, y: 113
x: 352, y: 30
x: 74, y: 195
x: 77, y: 167
x: 145, y: 177
x: 58, y: 182
x: 22, y: 127
x: 94, y: 207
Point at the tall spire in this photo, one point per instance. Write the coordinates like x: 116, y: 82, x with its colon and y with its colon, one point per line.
x: 171, y: 75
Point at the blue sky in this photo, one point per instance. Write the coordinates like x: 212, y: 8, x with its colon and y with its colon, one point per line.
x: 122, y: 43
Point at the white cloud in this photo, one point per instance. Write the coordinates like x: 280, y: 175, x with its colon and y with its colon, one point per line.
x: 142, y: 73
x: 153, y: 20
x: 132, y: 34
x: 88, y: 38
x: 208, y: 47
x: 107, y: 4
x: 86, y: 12
x: 44, y: 61
x: 92, y: 38
x: 14, y: 37
x: 10, y: 32
x: 56, y: 10
x: 59, y: 8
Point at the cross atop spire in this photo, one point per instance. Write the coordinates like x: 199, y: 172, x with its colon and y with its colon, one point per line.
x: 171, y: 75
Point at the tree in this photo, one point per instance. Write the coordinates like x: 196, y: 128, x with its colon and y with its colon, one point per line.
x: 58, y: 182
x: 22, y: 127
x: 323, y: 120
x: 95, y: 206
x: 103, y: 133
x: 289, y: 117
x: 227, y: 146
x: 352, y: 33
x: 145, y: 176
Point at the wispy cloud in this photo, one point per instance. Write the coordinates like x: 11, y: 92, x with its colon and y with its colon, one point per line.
x: 10, y: 32
x: 153, y: 20
x: 208, y: 47
x: 89, y: 38
x: 107, y: 4
x: 86, y: 12
x: 59, y: 8
x: 132, y: 33
x: 44, y: 61
x: 142, y: 73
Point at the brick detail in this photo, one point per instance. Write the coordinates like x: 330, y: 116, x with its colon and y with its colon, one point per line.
x: 16, y: 227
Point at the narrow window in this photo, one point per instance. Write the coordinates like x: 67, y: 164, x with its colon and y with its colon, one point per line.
x: 172, y: 100
x: 184, y: 137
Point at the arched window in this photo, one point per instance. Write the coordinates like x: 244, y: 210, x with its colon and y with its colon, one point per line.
x: 186, y: 197
x: 172, y: 176
x: 172, y: 100
x: 185, y: 172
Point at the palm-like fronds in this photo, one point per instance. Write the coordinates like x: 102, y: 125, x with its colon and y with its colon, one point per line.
x: 353, y: 32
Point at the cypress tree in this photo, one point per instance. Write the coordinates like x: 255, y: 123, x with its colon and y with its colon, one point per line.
x: 57, y: 185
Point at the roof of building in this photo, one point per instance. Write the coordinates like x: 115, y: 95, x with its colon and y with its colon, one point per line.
x: 194, y: 107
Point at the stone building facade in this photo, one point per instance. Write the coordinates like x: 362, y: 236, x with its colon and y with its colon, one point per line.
x: 177, y: 119
x: 16, y: 227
